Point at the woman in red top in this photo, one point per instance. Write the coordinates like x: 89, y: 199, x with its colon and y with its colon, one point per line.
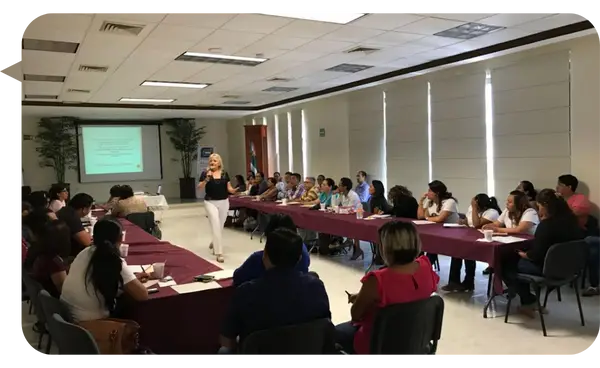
x: 405, y: 278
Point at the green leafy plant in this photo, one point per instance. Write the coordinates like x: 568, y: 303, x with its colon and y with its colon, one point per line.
x: 184, y: 135
x: 57, y: 145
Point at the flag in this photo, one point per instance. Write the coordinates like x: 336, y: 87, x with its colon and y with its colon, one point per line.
x: 253, y: 159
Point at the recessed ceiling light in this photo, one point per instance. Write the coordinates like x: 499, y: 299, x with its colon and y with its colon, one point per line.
x: 468, y: 31
x: 43, y: 78
x: 220, y: 59
x: 341, y: 18
x: 161, y: 100
x: 174, y: 84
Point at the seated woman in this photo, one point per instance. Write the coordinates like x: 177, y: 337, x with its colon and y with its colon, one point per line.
x: 559, y: 225
x: 527, y: 187
x: 50, y: 266
x: 34, y: 225
x: 254, y: 267
x: 377, y: 202
x: 114, y: 197
x: 326, y: 191
x: 517, y: 218
x: 406, y: 278
x: 403, y: 203
x: 58, y: 196
x: 483, y: 210
x: 128, y: 203
x: 39, y: 202
x: 270, y: 195
x: 98, y: 275
x: 438, y: 205
x: 240, y: 184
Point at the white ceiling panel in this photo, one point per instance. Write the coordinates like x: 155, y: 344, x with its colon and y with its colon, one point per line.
x: 256, y: 23
x: 281, y: 42
x: 511, y: 20
x: 550, y: 22
x: 496, y: 37
x: 198, y: 20
x: 145, y: 92
x: 352, y: 34
x: 59, y: 27
x: 306, y: 29
x: 394, y: 38
x: 462, y: 17
x: 182, y: 33
x: 42, y: 88
x: 218, y: 72
x: 46, y: 63
x: 324, y: 47
x: 177, y: 71
x: 436, y: 41
x: 386, y: 21
x: 429, y: 26
x: 296, y: 56
x: 226, y: 42
x: 139, y: 18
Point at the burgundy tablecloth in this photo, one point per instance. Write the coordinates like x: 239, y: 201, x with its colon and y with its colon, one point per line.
x: 173, y: 323
x: 455, y: 242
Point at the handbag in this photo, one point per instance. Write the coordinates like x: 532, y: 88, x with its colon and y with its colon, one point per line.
x: 114, y: 336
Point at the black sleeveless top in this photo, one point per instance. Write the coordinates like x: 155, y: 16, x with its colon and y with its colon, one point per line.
x: 216, y: 189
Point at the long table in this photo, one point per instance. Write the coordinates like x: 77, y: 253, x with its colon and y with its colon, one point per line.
x: 458, y: 242
x: 173, y: 323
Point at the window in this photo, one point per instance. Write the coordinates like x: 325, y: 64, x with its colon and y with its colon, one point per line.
x: 489, y: 135
x: 278, y: 163
x: 429, y: 130
x: 304, y: 149
x: 290, y: 144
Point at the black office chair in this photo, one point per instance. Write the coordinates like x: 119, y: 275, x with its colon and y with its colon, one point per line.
x: 315, y: 337
x: 33, y: 290
x: 563, y: 265
x: 50, y: 306
x: 408, y: 328
x: 144, y: 220
x: 72, y: 339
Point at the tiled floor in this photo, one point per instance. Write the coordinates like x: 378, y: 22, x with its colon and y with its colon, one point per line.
x: 465, y: 331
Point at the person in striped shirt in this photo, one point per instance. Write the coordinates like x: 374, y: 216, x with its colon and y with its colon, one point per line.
x: 311, y: 192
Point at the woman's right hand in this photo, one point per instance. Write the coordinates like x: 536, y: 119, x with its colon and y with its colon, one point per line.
x: 377, y: 211
x: 352, y: 298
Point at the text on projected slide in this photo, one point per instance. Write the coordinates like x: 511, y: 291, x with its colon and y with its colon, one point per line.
x: 112, y: 150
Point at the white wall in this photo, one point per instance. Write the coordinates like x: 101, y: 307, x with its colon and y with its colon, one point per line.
x: 350, y: 144
x: 41, y: 178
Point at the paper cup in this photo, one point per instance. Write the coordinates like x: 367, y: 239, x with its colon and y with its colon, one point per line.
x: 488, y: 235
x: 336, y: 209
x: 284, y: 201
x: 123, y: 235
x: 322, y: 206
x: 124, y: 250
x: 159, y: 270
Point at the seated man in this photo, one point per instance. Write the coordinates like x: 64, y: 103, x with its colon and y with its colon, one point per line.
x: 79, y: 206
x: 282, y: 296
x: 579, y: 204
x: 311, y: 192
x: 128, y: 203
x: 295, y: 189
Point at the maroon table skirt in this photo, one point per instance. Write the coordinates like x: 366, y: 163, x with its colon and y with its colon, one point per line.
x: 458, y: 242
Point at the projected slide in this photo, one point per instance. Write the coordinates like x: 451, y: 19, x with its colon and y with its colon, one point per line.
x: 112, y: 150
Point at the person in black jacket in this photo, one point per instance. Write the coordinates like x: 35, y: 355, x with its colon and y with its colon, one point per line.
x: 559, y: 224
x: 403, y: 203
x: 377, y: 202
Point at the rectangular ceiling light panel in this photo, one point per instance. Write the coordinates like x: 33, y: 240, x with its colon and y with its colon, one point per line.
x: 51, y: 46
x: 340, y: 18
x: 201, y: 57
x: 156, y: 100
x: 174, y: 84
x: 468, y: 31
x: 348, y: 68
x: 43, y: 78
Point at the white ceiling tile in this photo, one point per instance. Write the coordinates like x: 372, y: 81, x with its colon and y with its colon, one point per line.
x: 386, y: 21
x: 94, y: 50
x: 177, y: 71
x: 324, y: 47
x: 218, y: 72
x: 42, y: 88
x: 229, y: 42
x: 89, y: 81
x: 272, y: 67
x: 299, y: 56
x: 281, y: 42
x: 74, y: 96
x: 393, y: 38
x: 511, y: 20
x: 306, y: 29
x: 400, y: 63
x: 256, y: 23
x: 550, y: 22
x: 495, y: 38
x: 429, y: 26
x: 352, y: 34
x: 46, y: 63
x: 59, y: 27
x: 255, y: 50
x: 145, y: 92
x: 180, y: 33
x: 140, y: 18
x: 436, y: 41
x: 461, y: 14
x: 198, y: 20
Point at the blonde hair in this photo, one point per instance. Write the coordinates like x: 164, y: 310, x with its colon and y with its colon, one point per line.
x: 217, y: 157
x: 400, y: 243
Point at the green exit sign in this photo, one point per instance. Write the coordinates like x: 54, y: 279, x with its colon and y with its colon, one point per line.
x: 322, y: 132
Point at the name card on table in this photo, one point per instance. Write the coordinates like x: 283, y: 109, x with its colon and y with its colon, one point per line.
x: 423, y: 222
x: 195, y: 286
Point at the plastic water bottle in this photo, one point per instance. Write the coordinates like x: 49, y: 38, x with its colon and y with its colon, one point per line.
x: 359, y: 212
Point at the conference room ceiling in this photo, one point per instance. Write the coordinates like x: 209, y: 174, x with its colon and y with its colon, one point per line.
x: 116, y: 53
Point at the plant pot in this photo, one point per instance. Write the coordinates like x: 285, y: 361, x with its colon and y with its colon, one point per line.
x: 187, y: 188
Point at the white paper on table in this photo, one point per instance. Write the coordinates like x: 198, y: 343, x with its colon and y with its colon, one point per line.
x: 454, y: 225
x: 221, y: 275
x: 195, y: 286
x: 423, y: 222
x: 149, y: 283
x: 168, y: 283
x: 507, y: 239
x: 378, y: 216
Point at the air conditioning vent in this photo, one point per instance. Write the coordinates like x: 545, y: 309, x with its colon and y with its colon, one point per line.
x: 366, y: 50
x: 121, y: 28
x: 280, y: 89
x: 231, y: 97
x: 41, y: 97
x: 348, y: 68
x: 277, y: 79
x: 93, y: 68
x: 75, y: 90
x: 236, y: 102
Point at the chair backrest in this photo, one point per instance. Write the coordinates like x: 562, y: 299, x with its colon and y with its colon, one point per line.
x: 565, y: 260
x: 33, y: 290
x: 144, y: 220
x: 315, y: 337
x: 70, y: 338
x: 408, y: 328
x: 51, y: 305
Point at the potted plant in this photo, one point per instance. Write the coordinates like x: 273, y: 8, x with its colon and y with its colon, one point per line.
x: 57, y: 146
x: 184, y: 135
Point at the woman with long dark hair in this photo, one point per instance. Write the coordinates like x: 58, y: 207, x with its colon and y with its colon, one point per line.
x: 527, y: 187
x: 558, y: 225
x: 377, y: 202
x: 517, y: 218
x: 438, y: 205
x: 98, y: 275
x: 53, y: 248
x: 240, y: 184
x: 403, y: 204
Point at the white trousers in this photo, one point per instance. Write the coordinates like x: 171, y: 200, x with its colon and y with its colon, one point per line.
x: 217, y: 214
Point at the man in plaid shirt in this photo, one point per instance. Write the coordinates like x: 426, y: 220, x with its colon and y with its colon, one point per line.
x: 311, y: 192
x: 295, y: 190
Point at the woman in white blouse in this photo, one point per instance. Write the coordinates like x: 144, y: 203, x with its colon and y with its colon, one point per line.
x: 438, y: 205
x: 58, y: 196
x: 483, y: 210
x: 517, y: 218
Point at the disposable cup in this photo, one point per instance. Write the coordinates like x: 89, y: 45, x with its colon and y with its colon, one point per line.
x: 488, y: 235
x: 159, y: 270
x: 124, y: 250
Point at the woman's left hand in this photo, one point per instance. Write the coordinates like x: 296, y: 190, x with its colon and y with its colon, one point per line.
x: 142, y: 276
x: 522, y: 254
